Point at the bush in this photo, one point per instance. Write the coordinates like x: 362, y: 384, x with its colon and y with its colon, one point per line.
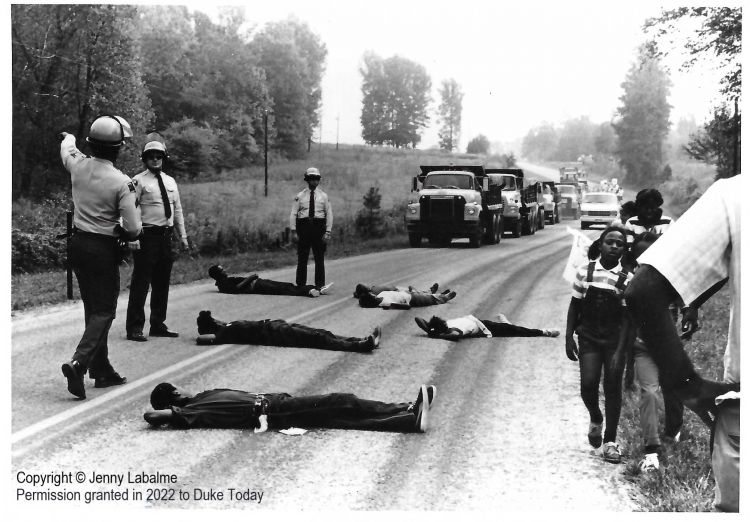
x: 193, y: 149
x: 369, y: 220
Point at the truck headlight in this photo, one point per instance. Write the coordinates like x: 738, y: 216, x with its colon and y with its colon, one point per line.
x: 471, y: 211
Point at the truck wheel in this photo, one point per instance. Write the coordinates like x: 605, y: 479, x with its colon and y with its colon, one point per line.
x: 584, y: 226
x: 541, y: 220
x: 516, y: 231
x: 415, y: 240
x: 498, y: 229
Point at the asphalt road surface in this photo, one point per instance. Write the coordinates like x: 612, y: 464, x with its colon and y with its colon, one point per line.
x: 508, y: 429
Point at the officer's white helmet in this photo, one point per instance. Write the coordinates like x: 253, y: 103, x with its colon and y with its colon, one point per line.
x: 312, y: 173
x: 109, y: 131
x: 154, y: 146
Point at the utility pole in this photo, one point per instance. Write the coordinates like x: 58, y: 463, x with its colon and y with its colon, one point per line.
x: 265, y: 150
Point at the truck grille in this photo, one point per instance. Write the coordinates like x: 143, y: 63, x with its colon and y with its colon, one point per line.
x: 600, y: 213
x: 442, y: 208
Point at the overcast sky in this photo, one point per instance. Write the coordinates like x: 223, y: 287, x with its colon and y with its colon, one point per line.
x: 519, y: 63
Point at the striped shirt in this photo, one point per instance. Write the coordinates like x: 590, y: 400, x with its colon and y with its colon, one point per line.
x: 636, y: 227
x: 602, y: 278
x: 701, y: 249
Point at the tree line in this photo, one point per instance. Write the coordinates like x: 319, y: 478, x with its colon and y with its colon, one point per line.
x: 210, y: 88
x: 637, y: 134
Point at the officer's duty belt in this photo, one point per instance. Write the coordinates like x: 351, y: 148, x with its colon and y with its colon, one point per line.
x: 92, y: 235
x: 157, y: 231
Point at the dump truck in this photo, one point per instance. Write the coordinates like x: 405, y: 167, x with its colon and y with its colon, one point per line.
x: 454, y: 201
x: 521, y: 213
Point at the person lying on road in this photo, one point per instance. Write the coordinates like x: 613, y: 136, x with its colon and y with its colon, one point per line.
x: 235, y: 409
x: 470, y: 326
x: 277, y: 332
x: 385, y: 296
x: 253, y: 284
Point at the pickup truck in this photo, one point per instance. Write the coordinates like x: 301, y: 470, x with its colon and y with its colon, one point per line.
x: 454, y: 201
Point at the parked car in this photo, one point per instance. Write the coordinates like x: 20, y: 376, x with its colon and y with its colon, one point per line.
x: 598, y: 208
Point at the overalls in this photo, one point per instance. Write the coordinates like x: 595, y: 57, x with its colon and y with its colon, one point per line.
x: 601, y: 312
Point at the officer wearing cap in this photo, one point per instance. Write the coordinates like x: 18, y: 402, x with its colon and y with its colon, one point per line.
x: 161, y: 212
x: 311, y: 219
x: 105, y: 210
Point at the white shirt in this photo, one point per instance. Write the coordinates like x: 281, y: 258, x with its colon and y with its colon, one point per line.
x: 702, y: 248
x: 397, y: 297
x: 301, y: 208
x: 469, y: 326
x: 151, y: 204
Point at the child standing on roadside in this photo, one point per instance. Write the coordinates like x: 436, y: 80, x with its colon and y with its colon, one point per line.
x: 597, y: 314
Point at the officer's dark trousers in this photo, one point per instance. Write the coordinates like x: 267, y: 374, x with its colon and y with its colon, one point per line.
x: 278, y: 332
x: 152, y: 266
x: 510, y: 330
x: 338, y: 410
x: 95, y: 259
x: 310, y: 235
x: 269, y: 287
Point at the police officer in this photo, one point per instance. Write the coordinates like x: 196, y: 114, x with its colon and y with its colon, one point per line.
x: 153, y: 256
x: 105, y: 209
x: 311, y: 219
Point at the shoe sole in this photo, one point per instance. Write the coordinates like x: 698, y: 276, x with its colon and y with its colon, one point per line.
x: 71, y: 375
x: 612, y: 460
x: 424, y: 408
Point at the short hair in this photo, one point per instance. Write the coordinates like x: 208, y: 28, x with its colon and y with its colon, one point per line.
x: 437, y: 325
x: 161, y: 397
x: 649, y: 197
x: 594, y: 248
x: 628, y: 207
x: 217, y: 272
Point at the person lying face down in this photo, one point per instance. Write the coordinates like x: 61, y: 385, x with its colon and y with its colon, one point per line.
x: 236, y: 409
x: 277, y: 332
x: 387, y: 296
x: 470, y: 326
x: 253, y: 284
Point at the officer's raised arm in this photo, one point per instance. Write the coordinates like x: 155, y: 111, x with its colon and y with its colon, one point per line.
x: 69, y: 153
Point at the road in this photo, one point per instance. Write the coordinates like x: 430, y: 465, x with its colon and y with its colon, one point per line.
x: 508, y: 429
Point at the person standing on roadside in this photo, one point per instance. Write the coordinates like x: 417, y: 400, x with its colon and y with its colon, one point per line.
x: 153, y: 256
x: 312, y: 220
x: 597, y: 313
x: 105, y: 211
x: 697, y: 256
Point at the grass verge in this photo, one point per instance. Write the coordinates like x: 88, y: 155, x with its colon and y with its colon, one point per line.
x: 47, y: 288
x: 684, y: 482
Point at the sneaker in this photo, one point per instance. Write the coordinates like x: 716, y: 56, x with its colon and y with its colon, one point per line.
x: 431, y: 392
x: 205, y: 339
x: 422, y: 409
x: 649, y: 462
x: 551, y: 332
x: 422, y: 324
x: 595, y: 434
x: 376, y: 336
x: 502, y: 319
x: 72, y: 371
x: 314, y: 292
x: 450, y: 295
x: 611, y: 452
x: 434, y: 288
x: 324, y: 289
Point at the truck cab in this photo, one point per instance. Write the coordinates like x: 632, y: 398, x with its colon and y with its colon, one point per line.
x: 511, y: 181
x: 454, y: 202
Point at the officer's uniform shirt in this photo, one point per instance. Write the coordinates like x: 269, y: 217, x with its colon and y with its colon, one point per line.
x: 469, y: 326
x: 301, y: 208
x: 152, y: 205
x: 103, y: 196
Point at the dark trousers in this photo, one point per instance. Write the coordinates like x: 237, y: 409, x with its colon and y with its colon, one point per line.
x: 152, y: 266
x: 270, y: 287
x: 511, y: 330
x: 310, y: 235
x: 278, y: 332
x: 593, y: 359
x: 95, y: 259
x: 338, y: 410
